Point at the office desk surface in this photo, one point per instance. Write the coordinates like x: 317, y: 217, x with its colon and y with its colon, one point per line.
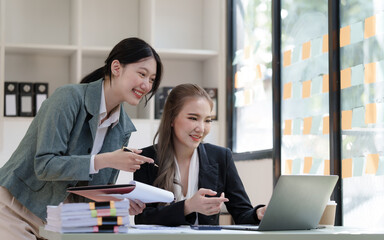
x: 186, y: 233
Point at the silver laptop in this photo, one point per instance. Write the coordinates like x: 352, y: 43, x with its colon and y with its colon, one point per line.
x: 297, y: 203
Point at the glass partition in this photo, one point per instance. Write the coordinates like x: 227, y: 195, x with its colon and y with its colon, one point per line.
x: 362, y: 111
x: 304, y: 84
x: 252, y: 72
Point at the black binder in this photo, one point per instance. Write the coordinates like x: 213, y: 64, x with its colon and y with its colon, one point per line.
x: 26, y: 100
x: 212, y: 92
x: 41, y: 93
x: 11, y: 98
x: 160, y: 98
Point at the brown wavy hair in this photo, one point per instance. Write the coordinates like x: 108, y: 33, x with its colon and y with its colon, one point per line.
x: 165, y: 148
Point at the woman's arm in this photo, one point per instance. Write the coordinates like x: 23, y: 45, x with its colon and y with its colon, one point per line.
x: 239, y: 205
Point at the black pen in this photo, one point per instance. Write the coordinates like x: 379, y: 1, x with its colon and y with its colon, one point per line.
x: 129, y: 150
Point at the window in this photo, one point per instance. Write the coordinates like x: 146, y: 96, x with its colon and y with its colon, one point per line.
x: 251, y: 63
x: 328, y: 92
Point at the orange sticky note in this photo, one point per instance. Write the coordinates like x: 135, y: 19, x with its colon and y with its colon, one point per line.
x: 325, y: 83
x: 345, y: 36
x: 258, y: 71
x: 327, y: 167
x: 370, y: 73
x: 326, y: 125
x: 306, y: 50
x: 288, y: 166
x: 237, y: 84
x: 346, y: 119
x: 345, y: 77
x: 287, y: 58
x: 307, y: 125
x: 306, y: 91
x: 370, y: 27
x: 370, y: 113
x: 287, y: 91
x: 288, y: 127
x: 307, y: 164
x: 346, y: 168
x: 372, y: 163
x: 325, y: 43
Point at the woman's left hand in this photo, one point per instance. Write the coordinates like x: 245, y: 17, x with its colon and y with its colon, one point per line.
x: 260, y: 212
x: 136, y: 207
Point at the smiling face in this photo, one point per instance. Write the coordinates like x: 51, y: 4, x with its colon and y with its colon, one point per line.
x: 192, y: 124
x: 133, y: 81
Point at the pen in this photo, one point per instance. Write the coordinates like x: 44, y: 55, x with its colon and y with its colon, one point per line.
x: 129, y: 150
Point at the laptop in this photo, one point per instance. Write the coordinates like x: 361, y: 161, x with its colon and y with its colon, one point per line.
x: 297, y: 203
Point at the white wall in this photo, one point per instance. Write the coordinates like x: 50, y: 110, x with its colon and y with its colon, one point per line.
x: 257, y: 177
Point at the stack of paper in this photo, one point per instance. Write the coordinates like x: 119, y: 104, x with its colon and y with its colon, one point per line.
x: 88, y: 217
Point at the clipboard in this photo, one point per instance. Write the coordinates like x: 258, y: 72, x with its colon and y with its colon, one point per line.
x: 98, y: 192
x: 133, y: 190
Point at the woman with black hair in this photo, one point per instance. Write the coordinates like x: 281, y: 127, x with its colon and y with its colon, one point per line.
x: 76, y: 139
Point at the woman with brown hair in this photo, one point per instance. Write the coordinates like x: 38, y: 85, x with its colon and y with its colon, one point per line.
x: 202, y: 176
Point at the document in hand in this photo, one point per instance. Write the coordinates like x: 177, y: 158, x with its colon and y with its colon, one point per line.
x: 134, y: 190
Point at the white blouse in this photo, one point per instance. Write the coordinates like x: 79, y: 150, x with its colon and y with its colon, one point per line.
x: 193, y: 180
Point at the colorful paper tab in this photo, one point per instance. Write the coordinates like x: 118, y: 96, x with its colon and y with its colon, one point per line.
x: 345, y: 36
x: 358, y: 165
x: 297, y: 126
x: 325, y: 83
x: 287, y: 58
x: 358, y: 117
x: 370, y: 27
x: 307, y: 125
x: 287, y: 91
x: 306, y: 50
x: 316, y: 46
x: 326, y: 125
x: 325, y: 43
x: 316, y: 85
x: 296, y: 166
x: 357, y: 75
x: 307, y: 165
x: 345, y: 78
x: 370, y: 73
x: 327, y: 167
x: 288, y: 167
x: 380, y: 170
x: 288, y: 127
x: 346, y: 120
x: 372, y: 163
x: 316, y: 121
x: 316, y: 164
x: 370, y: 113
x: 306, y: 90
x: 346, y: 168
x: 357, y: 32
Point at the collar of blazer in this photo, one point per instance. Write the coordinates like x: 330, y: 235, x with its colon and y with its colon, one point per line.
x: 208, y: 169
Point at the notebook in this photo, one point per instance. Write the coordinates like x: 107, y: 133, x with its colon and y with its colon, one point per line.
x: 297, y: 203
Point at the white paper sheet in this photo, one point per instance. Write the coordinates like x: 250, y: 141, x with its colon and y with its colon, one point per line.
x: 146, y: 193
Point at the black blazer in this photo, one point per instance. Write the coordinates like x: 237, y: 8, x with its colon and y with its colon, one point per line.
x: 218, y: 173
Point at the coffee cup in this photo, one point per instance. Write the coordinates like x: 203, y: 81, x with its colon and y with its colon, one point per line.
x: 328, y: 217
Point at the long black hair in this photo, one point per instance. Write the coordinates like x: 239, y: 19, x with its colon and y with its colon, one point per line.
x: 129, y: 50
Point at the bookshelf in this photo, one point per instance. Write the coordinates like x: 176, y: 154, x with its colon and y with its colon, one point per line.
x: 60, y: 41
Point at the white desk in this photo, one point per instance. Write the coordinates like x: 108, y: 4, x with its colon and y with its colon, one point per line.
x: 331, y: 233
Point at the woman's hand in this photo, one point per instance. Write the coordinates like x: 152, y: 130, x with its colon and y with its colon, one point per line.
x: 136, y: 207
x: 204, y: 205
x: 260, y: 212
x: 129, y: 161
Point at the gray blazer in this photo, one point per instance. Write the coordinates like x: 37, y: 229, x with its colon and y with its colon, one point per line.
x: 55, y: 152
